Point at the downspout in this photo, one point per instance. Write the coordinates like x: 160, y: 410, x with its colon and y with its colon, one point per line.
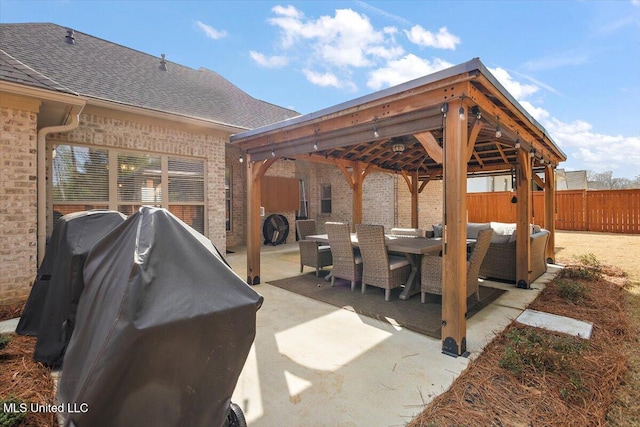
x: 74, y: 121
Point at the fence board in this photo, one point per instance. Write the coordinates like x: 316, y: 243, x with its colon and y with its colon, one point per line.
x: 611, y: 211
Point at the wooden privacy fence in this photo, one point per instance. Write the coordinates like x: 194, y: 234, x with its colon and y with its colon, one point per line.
x: 610, y: 211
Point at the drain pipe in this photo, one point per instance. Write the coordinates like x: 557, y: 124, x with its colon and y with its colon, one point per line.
x: 74, y: 121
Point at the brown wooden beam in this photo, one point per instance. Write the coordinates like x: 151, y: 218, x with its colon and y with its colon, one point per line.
x: 550, y: 212
x: 473, y: 136
x: 504, y: 156
x: 425, y: 181
x: 255, y: 172
x: 349, y: 176
x: 534, y: 130
x: 526, y: 134
x: 399, y: 104
x: 523, y: 220
x: 356, y: 211
x: 538, y: 180
x: 430, y: 145
x: 454, y: 280
x: 414, y: 199
x: 407, y: 179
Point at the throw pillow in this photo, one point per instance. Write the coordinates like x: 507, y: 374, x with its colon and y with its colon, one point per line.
x: 513, y: 237
x: 437, y: 230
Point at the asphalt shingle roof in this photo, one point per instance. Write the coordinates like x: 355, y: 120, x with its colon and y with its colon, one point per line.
x: 97, y: 68
x: 14, y: 71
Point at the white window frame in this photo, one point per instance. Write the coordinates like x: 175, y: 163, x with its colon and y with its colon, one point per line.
x: 113, y: 203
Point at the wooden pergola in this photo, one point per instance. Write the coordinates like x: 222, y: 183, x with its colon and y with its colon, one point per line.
x: 449, y: 125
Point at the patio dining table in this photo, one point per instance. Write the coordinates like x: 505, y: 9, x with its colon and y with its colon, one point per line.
x: 413, y: 249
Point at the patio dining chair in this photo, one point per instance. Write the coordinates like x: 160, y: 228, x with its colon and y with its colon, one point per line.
x: 347, y: 262
x: 431, y: 268
x: 379, y: 268
x: 312, y: 254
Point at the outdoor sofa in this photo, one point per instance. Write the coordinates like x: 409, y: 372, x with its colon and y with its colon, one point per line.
x: 500, y: 260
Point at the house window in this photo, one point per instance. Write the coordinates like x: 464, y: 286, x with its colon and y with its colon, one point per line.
x: 227, y: 197
x: 79, y: 179
x: 325, y: 199
x: 86, y: 178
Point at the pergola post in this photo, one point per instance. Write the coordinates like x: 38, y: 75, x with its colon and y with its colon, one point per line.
x: 523, y: 219
x: 414, y: 199
x: 255, y: 172
x: 549, y: 212
x: 412, y: 181
x: 358, y: 179
x: 454, y: 277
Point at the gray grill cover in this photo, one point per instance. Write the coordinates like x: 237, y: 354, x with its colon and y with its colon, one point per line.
x: 164, y: 328
x: 53, y: 303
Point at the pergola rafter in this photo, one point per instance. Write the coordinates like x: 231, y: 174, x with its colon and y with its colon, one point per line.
x: 441, y: 126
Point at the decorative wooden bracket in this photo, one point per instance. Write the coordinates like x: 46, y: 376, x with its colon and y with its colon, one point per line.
x: 430, y: 144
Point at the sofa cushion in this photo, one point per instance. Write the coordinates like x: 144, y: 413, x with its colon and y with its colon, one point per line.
x: 499, y: 238
x: 473, y: 228
x: 503, y: 228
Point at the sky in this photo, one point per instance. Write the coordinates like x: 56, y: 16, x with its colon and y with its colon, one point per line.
x: 573, y: 65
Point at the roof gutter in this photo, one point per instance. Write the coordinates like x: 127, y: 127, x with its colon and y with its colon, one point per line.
x: 73, y: 121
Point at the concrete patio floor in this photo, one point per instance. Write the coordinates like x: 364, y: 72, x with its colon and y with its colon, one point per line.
x: 313, y: 364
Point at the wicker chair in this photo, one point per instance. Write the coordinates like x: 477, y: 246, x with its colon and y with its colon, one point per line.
x: 380, y: 269
x: 347, y: 262
x: 311, y: 253
x: 431, y: 275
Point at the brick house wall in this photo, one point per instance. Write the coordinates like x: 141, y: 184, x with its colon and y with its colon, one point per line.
x: 429, y: 205
x: 110, y: 129
x: 379, y: 202
x: 100, y: 128
x: 18, y: 199
x: 386, y: 197
x: 237, y: 235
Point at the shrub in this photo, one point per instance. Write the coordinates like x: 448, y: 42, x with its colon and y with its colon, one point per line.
x: 4, y: 340
x: 571, y: 290
x: 11, y: 418
x: 587, y: 267
x: 532, y: 349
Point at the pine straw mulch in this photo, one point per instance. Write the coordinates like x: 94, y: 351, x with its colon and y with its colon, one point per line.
x: 25, y: 379
x: 518, y: 380
x: 11, y: 311
x: 20, y: 376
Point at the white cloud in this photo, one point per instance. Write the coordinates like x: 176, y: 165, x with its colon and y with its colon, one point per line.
x: 289, y: 11
x: 516, y: 89
x: 211, y: 32
x: 538, y: 113
x: 383, y: 13
x: 268, y: 62
x: 442, y: 40
x: 404, y: 69
x: 596, y: 151
x: 584, y: 147
x: 562, y: 60
x: 345, y: 40
x: 327, y: 80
